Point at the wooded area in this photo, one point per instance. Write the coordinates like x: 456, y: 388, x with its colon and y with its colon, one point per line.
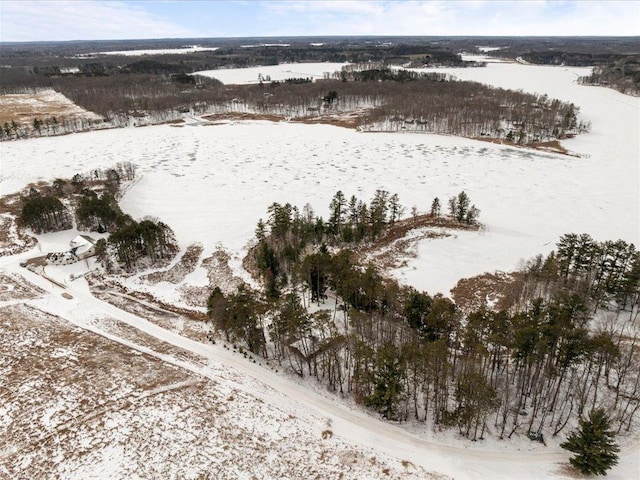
x: 93, y: 199
x: 562, y: 341
x: 128, y: 91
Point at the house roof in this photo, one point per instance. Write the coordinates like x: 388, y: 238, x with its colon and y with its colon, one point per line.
x: 81, y: 240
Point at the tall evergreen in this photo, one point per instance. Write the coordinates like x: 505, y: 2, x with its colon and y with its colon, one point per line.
x: 593, y: 443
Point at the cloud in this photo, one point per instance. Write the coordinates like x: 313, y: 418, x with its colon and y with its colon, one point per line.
x: 478, y: 17
x: 29, y: 20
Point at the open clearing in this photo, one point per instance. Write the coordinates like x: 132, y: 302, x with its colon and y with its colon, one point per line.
x: 110, y: 410
x: 45, y: 104
x: 238, y: 76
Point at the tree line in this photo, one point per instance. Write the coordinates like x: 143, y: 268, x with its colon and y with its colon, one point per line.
x: 288, y: 232
x: 389, y: 100
x: 532, y: 366
x: 622, y: 74
x: 93, y: 199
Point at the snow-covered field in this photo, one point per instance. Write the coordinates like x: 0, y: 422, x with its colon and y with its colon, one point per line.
x: 211, y: 183
x: 239, y: 76
x: 121, y: 397
x: 155, y: 51
x: 114, y: 402
x: 222, y: 178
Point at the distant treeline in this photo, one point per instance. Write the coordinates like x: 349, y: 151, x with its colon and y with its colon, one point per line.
x: 622, y: 75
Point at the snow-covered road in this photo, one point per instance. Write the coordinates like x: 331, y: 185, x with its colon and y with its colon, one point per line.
x: 351, y: 424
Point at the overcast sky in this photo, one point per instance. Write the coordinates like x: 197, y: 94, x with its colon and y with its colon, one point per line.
x: 35, y: 20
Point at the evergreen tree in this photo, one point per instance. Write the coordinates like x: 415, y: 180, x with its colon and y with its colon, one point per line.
x: 395, y: 209
x: 45, y: 214
x: 261, y: 231
x: 378, y: 212
x: 338, y: 212
x: 472, y: 215
x: 463, y: 207
x: 593, y: 444
x: 435, y: 207
x: 387, y: 376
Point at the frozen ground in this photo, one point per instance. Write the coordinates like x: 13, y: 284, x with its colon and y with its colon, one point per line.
x: 119, y: 403
x: 237, y: 76
x: 155, y: 51
x: 212, y: 183
x: 24, y: 107
x: 94, y: 391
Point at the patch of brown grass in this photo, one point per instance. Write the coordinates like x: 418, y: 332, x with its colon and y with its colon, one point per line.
x: 106, y: 288
x: 13, y: 240
x: 244, y: 116
x: 394, y: 245
x: 24, y: 107
x: 346, y: 120
x: 553, y: 146
x: 180, y: 270
x: 496, y: 290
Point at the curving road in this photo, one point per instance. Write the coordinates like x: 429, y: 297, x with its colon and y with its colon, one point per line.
x: 460, y: 461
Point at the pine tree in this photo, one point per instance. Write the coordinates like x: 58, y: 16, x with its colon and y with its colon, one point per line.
x: 395, y: 209
x: 463, y: 207
x: 593, y: 444
x: 435, y: 207
x: 337, y: 207
x: 387, y: 380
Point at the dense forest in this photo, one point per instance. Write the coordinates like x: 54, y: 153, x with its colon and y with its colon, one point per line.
x: 125, y: 90
x: 622, y: 74
x: 562, y: 341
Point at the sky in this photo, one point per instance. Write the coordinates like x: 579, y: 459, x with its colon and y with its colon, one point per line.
x: 49, y: 20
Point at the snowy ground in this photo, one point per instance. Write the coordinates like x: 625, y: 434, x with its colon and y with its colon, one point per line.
x: 155, y: 51
x: 238, y: 76
x: 211, y: 184
x: 138, y: 407
x: 223, y: 177
x: 121, y: 397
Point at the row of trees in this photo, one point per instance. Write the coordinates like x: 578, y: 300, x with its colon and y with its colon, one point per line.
x: 285, y: 238
x: 93, y: 197
x: 38, y: 127
x: 397, y: 100
x: 622, y: 74
x: 533, y: 366
x: 48, y: 126
x: 607, y: 273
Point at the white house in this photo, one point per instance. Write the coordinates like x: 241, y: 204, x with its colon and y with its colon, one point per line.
x: 83, y: 246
